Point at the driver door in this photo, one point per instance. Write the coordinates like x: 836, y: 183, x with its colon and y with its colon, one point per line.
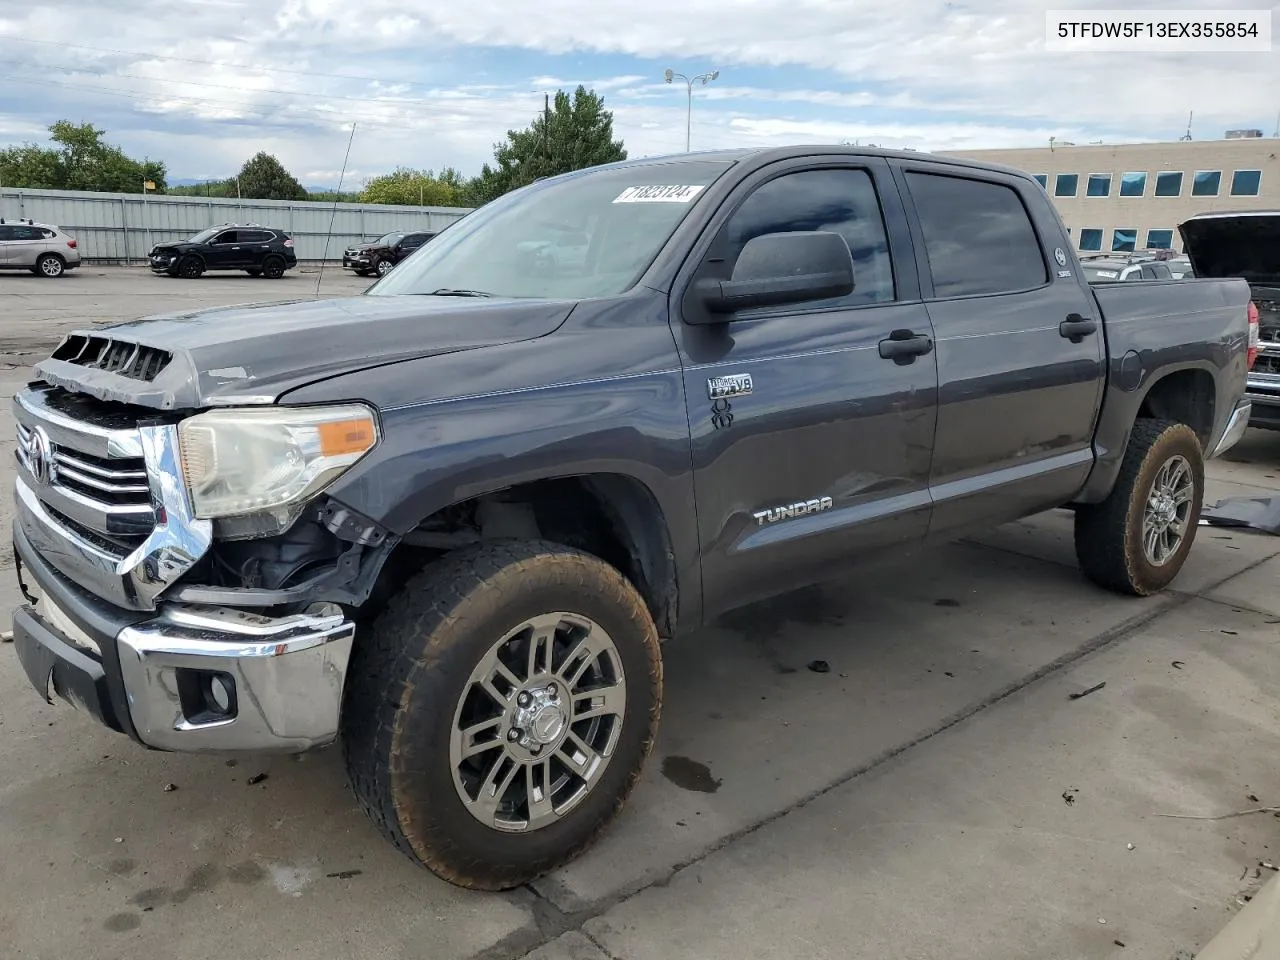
x: 818, y: 411
x: 225, y: 252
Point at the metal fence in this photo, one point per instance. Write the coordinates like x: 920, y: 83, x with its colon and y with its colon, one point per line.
x: 122, y: 227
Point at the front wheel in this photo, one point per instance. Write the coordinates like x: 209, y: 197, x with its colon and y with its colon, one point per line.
x: 384, y: 267
x: 190, y: 267
x: 499, y: 712
x: 1137, y: 539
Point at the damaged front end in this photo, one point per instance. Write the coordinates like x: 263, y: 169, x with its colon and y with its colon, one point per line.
x: 1247, y: 245
x: 175, y: 593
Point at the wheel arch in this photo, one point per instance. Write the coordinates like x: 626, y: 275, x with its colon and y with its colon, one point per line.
x: 1185, y: 393
x: 613, y: 516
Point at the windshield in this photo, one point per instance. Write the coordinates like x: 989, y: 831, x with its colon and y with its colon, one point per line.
x: 589, y: 235
x: 390, y: 240
x: 1100, y: 273
x: 204, y: 236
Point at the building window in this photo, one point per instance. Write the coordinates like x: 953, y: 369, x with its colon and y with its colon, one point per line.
x: 1133, y: 184
x: 1090, y: 238
x: 1169, y: 183
x: 1124, y: 238
x: 1159, y: 239
x: 1246, y: 183
x: 1205, y: 183
x: 1066, y: 185
x: 1043, y: 180
x: 1099, y: 185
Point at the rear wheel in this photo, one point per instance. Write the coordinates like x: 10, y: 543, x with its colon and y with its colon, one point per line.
x: 50, y: 265
x: 1137, y: 540
x: 190, y: 267
x: 273, y: 268
x: 498, y: 713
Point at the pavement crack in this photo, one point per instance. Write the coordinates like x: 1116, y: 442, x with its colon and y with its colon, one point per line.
x: 562, y: 922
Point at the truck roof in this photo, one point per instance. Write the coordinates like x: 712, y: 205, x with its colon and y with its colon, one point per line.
x: 763, y: 155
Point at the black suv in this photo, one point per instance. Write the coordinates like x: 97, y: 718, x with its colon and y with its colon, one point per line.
x: 380, y: 255
x: 258, y: 251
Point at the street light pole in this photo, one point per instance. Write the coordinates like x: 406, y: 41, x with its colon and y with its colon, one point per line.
x: 704, y: 79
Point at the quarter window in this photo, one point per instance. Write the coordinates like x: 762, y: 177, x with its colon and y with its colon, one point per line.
x: 1159, y: 239
x: 1169, y: 183
x: 1099, y: 185
x: 1125, y: 238
x: 977, y: 236
x: 1091, y: 238
x: 1246, y: 183
x: 841, y: 201
x: 1066, y: 185
x: 1133, y: 184
x: 1206, y: 183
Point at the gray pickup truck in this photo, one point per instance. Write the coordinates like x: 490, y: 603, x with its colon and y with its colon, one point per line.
x: 450, y: 521
x: 1247, y: 244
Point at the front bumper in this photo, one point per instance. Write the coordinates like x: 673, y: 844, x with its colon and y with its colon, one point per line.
x: 355, y: 262
x: 152, y: 675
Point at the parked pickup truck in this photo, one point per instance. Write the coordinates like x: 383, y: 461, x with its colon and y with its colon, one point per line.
x: 1247, y: 244
x: 448, y: 522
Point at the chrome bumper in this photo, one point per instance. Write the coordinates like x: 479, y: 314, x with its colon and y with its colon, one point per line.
x: 283, y: 678
x: 1237, y: 423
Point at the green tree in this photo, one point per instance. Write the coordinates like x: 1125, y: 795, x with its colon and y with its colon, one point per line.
x: 572, y: 133
x: 410, y: 187
x: 79, y: 160
x: 263, y: 177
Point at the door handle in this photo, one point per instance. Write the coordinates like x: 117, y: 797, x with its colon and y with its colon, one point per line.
x: 903, y: 346
x: 1075, y: 328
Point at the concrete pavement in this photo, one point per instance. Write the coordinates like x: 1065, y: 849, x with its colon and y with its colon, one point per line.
x: 935, y: 794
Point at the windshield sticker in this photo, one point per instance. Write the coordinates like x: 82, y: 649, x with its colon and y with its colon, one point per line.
x: 672, y: 193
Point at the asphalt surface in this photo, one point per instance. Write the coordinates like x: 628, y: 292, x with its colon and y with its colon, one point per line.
x: 937, y: 793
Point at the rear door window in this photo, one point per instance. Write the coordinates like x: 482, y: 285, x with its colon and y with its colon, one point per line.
x: 978, y: 236
x: 255, y: 236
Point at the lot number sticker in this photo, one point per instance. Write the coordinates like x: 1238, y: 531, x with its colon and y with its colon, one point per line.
x: 672, y: 193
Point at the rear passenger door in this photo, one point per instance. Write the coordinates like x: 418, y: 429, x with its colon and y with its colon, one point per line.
x: 827, y: 422
x: 1020, y: 347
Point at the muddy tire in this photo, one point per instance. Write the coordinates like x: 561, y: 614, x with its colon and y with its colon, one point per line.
x: 499, y: 711
x: 1137, y: 539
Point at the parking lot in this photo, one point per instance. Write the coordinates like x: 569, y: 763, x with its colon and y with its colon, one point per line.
x: 936, y: 793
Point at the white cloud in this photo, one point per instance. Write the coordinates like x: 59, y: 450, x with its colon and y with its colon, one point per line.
x: 291, y: 76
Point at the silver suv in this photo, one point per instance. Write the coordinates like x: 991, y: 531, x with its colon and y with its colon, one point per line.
x: 43, y: 249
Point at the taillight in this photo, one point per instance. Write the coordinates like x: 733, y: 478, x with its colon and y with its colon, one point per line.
x: 289, y: 243
x: 1254, y: 333
x: 71, y: 242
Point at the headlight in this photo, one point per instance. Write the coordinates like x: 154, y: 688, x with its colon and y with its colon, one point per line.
x: 270, y: 459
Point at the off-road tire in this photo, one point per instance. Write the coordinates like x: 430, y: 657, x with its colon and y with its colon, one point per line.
x: 273, y: 268
x: 409, y: 669
x: 50, y: 266
x: 190, y: 267
x: 1108, y: 535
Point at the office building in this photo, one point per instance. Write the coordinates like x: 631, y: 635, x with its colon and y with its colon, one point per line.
x: 1117, y: 197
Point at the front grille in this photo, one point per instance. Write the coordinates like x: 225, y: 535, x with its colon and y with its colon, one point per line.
x: 132, y: 360
x: 1268, y: 363
x: 89, y: 486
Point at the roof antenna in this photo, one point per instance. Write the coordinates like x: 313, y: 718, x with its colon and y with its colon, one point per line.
x: 333, y: 215
x: 1187, y: 135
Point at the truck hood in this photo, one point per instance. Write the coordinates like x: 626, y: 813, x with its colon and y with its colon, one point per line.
x: 254, y: 353
x: 1245, y: 245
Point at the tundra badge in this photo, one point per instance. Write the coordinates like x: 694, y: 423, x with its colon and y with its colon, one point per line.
x: 733, y: 385
x: 792, y: 510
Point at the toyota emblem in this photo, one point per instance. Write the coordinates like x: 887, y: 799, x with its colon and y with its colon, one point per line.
x: 40, y: 456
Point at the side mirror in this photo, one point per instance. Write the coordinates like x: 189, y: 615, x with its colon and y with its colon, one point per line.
x: 780, y: 268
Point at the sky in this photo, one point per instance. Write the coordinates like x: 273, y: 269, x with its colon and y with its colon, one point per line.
x: 203, y: 85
